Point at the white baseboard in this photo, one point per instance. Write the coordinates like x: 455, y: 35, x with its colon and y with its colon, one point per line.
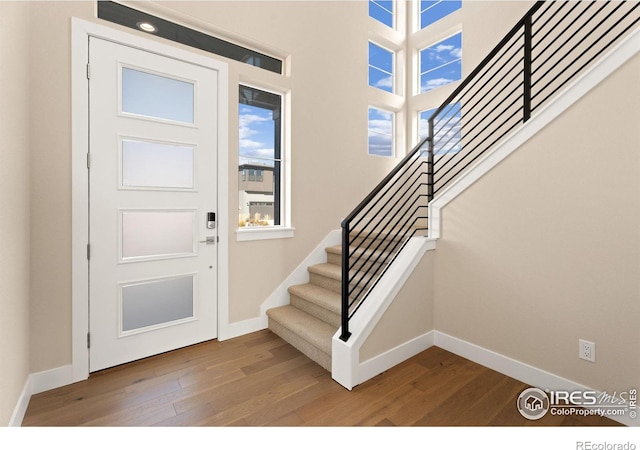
x: 21, y: 407
x: 236, y: 329
x: 36, y: 383
x: 51, y: 379
x: 515, y: 369
x: 385, y: 361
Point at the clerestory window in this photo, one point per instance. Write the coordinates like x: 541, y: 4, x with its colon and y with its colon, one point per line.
x: 432, y: 11
x: 441, y: 63
x: 381, y: 63
x: 381, y: 132
x: 383, y: 11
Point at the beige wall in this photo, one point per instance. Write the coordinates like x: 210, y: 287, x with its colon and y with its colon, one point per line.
x: 485, y: 24
x: 50, y: 128
x: 329, y: 121
x: 545, y: 249
x: 409, y: 316
x: 14, y: 198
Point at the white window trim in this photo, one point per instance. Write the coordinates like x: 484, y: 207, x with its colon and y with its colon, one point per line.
x: 260, y: 233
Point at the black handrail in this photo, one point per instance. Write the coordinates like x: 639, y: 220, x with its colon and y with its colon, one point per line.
x: 505, y: 40
x: 498, y: 96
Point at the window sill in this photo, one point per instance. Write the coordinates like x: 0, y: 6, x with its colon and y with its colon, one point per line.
x: 260, y: 233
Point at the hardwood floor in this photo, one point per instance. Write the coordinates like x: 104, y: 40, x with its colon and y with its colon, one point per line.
x: 260, y: 380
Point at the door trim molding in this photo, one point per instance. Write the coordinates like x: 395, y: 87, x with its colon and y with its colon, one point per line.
x: 81, y: 30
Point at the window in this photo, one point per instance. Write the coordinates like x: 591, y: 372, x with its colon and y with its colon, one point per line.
x: 431, y: 12
x: 380, y: 68
x: 441, y: 63
x: 447, y: 129
x: 381, y: 132
x: 382, y: 11
x: 260, y: 158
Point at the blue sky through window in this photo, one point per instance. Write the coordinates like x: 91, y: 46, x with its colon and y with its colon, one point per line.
x: 380, y: 132
x: 431, y: 12
x: 382, y: 11
x: 256, y: 135
x: 441, y: 63
x: 380, y: 67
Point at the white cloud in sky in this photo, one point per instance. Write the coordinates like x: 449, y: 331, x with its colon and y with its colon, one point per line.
x: 435, y: 83
x: 246, y: 121
x: 380, y: 132
x: 380, y: 127
x: 386, y: 82
x: 254, y: 141
x: 444, y: 48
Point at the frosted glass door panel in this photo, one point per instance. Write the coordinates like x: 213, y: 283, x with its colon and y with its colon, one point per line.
x: 157, y: 302
x: 151, y: 95
x: 156, y: 234
x: 156, y: 165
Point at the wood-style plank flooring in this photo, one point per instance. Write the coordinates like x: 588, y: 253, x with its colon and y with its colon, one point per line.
x: 260, y: 380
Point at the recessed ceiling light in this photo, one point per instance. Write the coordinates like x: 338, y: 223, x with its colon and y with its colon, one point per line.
x: 146, y: 26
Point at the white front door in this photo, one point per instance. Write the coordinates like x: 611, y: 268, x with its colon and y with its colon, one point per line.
x: 152, y: 201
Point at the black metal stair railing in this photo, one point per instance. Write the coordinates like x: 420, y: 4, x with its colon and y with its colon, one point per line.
x: 549, y: 47
x: 380, y: 226
x: 553, y: 43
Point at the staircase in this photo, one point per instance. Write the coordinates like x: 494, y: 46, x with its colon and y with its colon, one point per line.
x: 534, y: 63
x: 313, y: 316
x: 314, y: 313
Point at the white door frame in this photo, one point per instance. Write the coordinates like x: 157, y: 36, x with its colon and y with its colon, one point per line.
x: 80, y: 32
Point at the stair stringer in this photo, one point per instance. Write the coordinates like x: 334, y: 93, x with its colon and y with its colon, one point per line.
x: 346, y: 365
x: 581, y: 86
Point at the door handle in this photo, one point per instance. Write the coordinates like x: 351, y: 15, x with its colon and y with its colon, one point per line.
x: 209, y: 240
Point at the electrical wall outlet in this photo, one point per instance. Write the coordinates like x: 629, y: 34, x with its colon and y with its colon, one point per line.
x: 587, y: 350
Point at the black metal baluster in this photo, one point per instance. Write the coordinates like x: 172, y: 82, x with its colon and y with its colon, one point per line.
x: 527, y: 68
x: 345, y: 281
